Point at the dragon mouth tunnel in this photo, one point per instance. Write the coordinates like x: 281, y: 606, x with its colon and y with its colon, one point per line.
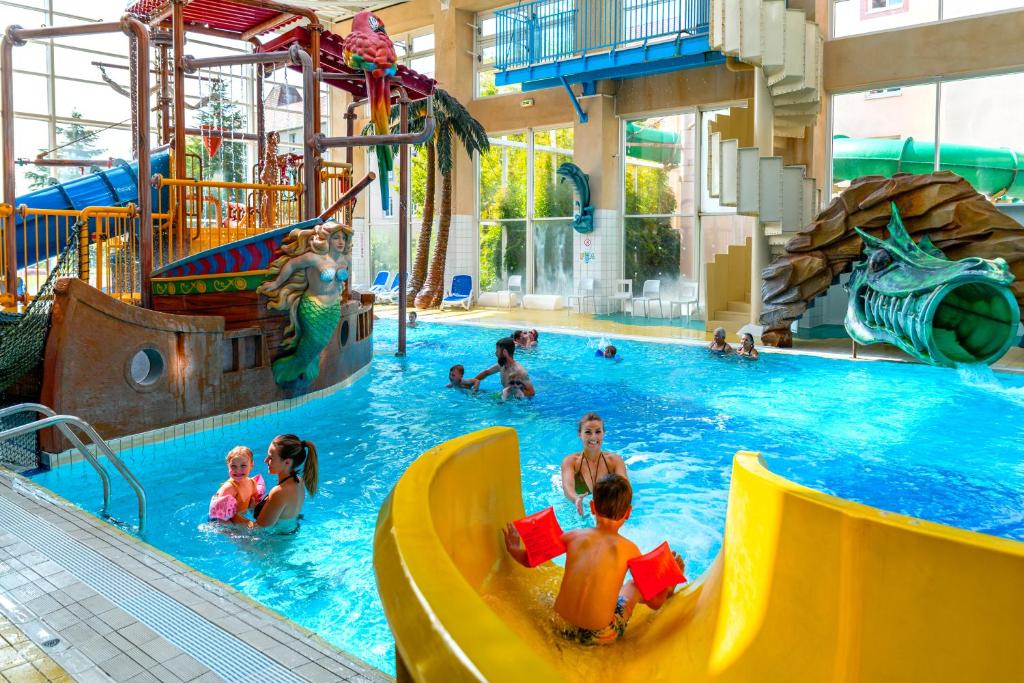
x: 940, y: 311
x: 961, y: 323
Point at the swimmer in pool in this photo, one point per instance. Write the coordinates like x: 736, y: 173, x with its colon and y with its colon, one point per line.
x: 240, y: 492
x: 719, y: 345
x: 294, y: 461
x: 456, y: 381
x: 504, y: 351
x: 515, y: 385
x: 412, y: 319
x: 581, y: 470
x: 747, y: 349
x: 609, y: 352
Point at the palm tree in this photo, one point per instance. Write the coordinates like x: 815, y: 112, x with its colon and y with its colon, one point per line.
x: 452, y: 122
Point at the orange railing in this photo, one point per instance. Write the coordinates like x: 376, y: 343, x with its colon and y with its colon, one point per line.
x: 209, y: 213
x: 336, y: 180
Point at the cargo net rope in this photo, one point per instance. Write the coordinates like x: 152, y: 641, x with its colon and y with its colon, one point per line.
x: 22, y: 341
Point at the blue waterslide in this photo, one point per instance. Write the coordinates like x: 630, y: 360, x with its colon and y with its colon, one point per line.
x: 116, y: 186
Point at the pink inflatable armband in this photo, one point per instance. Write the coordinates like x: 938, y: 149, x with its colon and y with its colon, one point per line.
x: 655, y: 571
x: 261, y: 488
x: 223, y: 508
x: 542, y: 536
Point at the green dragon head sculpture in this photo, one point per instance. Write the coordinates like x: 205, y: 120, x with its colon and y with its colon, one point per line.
x: 940, y: 311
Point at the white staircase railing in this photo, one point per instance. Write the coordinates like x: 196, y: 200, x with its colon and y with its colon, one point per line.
x: 61, y: 423
x: 786, y: 48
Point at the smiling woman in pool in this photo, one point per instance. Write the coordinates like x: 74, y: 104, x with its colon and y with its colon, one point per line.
x: 294, y: 461
x: 580, y: 471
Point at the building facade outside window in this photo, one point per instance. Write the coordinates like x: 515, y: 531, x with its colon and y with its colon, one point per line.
x: 973, y: 120
x: 853, y: 17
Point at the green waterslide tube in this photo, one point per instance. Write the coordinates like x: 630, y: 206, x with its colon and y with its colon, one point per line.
x: 992, y: 171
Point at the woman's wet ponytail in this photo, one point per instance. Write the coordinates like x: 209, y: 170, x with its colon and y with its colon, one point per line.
x: 311, y: 470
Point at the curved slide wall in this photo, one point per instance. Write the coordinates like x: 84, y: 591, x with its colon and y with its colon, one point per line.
x: 992, y: 171
x: 807, y: 587
x: 116, y: 186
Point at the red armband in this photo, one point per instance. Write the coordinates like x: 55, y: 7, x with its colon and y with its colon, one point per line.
x: 655, y: 571
x: 542, y: 536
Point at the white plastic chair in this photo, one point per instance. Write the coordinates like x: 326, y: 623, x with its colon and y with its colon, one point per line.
x: 687, y: 297
x: 651, y: 292
x: 623, y: 293
x: 586, y: 291
x: 515, y: 286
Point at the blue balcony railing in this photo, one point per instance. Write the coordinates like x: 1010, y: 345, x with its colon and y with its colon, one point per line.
x: 544, y: 31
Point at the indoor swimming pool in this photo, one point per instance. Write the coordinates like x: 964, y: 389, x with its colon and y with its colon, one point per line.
x: 922, y: 441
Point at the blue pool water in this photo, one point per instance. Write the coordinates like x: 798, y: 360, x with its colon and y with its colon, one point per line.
x: 938, y: 444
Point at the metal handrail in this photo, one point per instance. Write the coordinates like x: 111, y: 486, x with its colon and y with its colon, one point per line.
x: 61, y: 422
x: 69, y: 435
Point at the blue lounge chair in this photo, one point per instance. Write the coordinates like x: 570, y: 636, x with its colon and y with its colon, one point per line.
x: 390, y: 295
x: 380, y: 282
x: 461, y: 293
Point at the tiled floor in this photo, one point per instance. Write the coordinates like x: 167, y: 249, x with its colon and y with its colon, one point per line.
x: 102, y: 637
x: 21, y: 660
x: 656, y: 329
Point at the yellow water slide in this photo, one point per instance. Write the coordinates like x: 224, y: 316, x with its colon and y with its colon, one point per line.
x: 807, y: 587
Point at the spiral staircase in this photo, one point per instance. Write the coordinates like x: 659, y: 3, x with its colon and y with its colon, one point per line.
x: 784, y: 49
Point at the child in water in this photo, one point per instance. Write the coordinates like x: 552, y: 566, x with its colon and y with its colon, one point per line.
x: 593, y: 606
x: 609, y: 352
x: 240, y: 492
x: 455, y: 375
x: 412, y: 319
x: 515, y: 386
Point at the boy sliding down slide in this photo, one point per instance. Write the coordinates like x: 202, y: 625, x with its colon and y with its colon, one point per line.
x: 592, y: 602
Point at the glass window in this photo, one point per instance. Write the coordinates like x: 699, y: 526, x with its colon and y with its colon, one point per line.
x: 951, y: 9
x: 503, y: 178
x: 552, y: 256
x: 853, y: 17
x: 31, y: 94
x: 980, y: 135
x: 882, y: 135
x: 502, y: 253
x: 485, y: 49
x: 507, y: 188
x: 659, y: 182
x: 551, y: 148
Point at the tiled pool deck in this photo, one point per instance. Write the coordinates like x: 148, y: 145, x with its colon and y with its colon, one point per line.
x: 163, y: 622
x: 656, y: 329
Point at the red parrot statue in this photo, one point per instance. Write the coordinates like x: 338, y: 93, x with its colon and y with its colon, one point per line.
x: 369, y: 49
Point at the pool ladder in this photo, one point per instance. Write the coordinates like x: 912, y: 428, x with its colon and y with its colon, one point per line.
x: 61, y: 423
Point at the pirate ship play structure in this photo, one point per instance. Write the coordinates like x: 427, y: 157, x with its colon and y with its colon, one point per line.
x: 136, y: 298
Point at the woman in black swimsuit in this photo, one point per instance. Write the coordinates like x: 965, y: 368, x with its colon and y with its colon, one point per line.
x: 580, y: 471
x: 294, y: 461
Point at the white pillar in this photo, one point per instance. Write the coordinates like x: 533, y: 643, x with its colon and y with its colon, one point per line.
x: 764, y: 140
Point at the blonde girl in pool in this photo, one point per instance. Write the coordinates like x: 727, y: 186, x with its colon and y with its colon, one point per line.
x: 580, y: 471
x: 294, y: 461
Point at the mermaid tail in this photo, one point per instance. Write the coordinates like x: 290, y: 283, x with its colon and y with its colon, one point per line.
x: 316, y: 326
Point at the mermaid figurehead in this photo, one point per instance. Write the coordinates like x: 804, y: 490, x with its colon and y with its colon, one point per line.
x: 308, y: 280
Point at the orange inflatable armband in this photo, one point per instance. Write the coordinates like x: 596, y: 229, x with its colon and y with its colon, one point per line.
x: 655, y: 571
x: 542, y: 536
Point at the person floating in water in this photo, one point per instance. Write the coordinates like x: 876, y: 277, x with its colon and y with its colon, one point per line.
x: 580, y: 470
x: 505, y: 350
x: 412, y: 319
x: 609, y: 352
x: 719, y: 345
x: 747, y: 347
x: 240, y: 492
x: 456, y: 381
x: 515, y: 386
x: 593, y: 606
x: 294, y: 461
